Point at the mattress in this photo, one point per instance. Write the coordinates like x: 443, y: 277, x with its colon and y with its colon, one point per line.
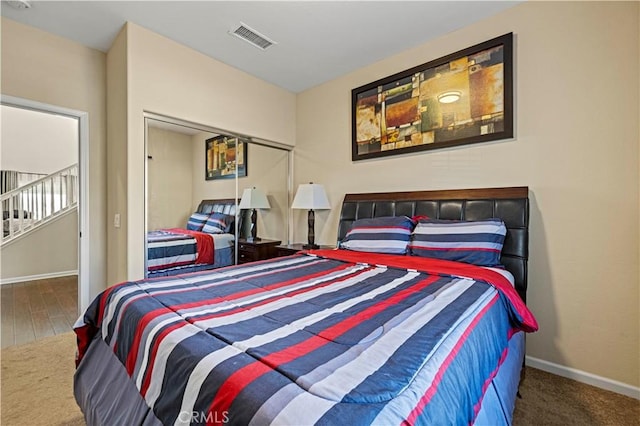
x: 321, y: 338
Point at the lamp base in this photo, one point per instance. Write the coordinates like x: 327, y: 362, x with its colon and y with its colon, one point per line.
x: 252, y: 239
x: 310, y: 246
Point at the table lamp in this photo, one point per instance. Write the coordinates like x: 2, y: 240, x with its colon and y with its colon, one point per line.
x: 311, y: 196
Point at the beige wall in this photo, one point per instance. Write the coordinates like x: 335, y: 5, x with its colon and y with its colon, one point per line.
x: 166, y: 78
x: 45, y: 68
x: 170, y: 178
x: 55, y: 246
x: 576, y: 147
x: 117, y: 111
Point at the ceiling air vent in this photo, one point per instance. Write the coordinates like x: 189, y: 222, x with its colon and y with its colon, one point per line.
x: 251, y: 36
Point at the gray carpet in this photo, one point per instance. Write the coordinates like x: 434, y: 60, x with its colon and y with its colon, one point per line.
x: 37, y: 383
x: 548, y: 399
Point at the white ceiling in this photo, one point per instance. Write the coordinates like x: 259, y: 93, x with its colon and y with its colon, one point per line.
x: 317, y: 41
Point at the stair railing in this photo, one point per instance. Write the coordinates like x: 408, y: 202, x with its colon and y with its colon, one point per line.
x: 38, y: 202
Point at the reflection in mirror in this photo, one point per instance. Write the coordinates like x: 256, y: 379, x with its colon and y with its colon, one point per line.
x: 170, y: 174
x: 195, y: 179
x: 268, y: 172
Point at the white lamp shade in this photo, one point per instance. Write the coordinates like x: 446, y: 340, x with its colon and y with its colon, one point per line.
x: 253, y: 198
x: 311, y: 196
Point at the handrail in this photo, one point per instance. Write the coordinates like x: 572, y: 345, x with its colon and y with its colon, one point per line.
x: 38, y: 202
x: 37, y: 181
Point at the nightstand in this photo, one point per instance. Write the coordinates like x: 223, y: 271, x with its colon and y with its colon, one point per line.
x: 289, y: 249
x: 256, y: 250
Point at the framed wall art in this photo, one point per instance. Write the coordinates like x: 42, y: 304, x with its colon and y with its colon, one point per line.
x: 222, y: 160
x: 465, y: 97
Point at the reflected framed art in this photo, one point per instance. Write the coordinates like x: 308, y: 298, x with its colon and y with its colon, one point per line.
x: 222, y: 160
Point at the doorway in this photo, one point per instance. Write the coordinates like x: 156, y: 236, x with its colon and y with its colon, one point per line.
x: 80, y: 119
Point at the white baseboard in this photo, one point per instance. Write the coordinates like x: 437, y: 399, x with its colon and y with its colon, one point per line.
x: 584, y: 377
x: 37, y: 277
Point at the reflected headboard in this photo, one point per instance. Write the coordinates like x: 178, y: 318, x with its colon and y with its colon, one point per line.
x: 509, y: 204
x: 222, y: 205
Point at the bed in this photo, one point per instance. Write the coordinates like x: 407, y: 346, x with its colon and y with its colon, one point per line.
x: 359, y: 335
x: 181, y: 250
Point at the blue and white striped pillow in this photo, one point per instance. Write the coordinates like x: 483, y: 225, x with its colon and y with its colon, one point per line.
x: 388, y: 234
x: 196, y: 221
x: 477, y: 242
x: 217, y: 223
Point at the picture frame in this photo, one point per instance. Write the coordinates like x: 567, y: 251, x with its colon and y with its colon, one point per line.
x: 222, y: 160
x: 462, y: 98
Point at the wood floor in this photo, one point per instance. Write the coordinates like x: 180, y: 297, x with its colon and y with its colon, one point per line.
x: 37, y: 309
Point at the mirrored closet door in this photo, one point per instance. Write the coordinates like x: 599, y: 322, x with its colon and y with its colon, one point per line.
x: 213, y: 198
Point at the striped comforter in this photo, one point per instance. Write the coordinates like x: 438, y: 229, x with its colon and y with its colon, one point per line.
x: 324, y: 338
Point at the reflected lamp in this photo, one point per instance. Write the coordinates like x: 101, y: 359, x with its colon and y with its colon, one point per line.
x: 253, y: 198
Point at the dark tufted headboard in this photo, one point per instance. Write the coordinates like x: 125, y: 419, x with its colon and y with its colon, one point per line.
x: 509, y: 204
